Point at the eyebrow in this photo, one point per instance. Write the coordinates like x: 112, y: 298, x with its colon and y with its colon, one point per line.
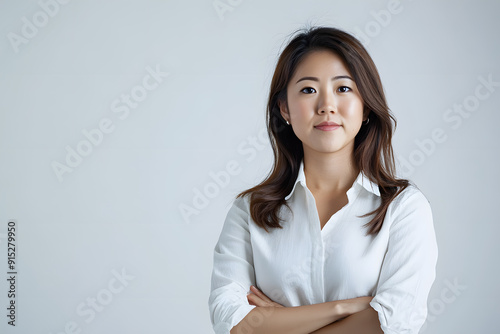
x: 316, y: 79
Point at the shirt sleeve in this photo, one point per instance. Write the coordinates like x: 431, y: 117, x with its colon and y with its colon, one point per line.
x: 409, y: 267
x: 233, y: 271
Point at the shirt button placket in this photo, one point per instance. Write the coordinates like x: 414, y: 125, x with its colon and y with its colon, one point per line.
x: 318, y: 251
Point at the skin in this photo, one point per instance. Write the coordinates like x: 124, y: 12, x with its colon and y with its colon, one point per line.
x: 330, y: 171
x: 328, y: 155
x: 354, y: 315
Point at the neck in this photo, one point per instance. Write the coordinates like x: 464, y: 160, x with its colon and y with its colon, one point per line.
x: 330, y: 172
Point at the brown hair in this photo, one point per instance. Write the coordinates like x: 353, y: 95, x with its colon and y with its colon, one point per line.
x: 373, y: 152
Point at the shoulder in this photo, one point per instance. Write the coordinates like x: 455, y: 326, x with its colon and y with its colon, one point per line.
x: 239, y: 208
x: 411, y: 206
x: 242, y: 202
x: 237, y: 218
x: 411, y: 196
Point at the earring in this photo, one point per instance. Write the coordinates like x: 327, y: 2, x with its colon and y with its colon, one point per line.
x: 367, y: 121
x: 287, y: 123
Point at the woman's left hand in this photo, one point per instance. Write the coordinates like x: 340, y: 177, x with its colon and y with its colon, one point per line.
x: 258, y: 298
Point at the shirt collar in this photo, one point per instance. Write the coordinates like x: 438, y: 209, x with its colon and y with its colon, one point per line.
x: 361, y: 180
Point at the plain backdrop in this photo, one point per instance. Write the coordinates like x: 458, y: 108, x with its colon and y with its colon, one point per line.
x: 127, y: 128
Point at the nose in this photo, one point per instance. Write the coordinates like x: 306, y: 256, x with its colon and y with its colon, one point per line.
x: 326, y: 103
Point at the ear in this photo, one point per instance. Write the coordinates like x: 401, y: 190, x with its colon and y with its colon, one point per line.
x: 366, y: 113
x: 284, y: 110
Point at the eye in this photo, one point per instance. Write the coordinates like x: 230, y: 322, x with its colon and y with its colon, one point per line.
x: 307, y: 88
x: 344, y: 89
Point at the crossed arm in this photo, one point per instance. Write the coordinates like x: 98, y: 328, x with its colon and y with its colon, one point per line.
x: 362, y: 322
x: 407, y: 273
x: 336, y: 317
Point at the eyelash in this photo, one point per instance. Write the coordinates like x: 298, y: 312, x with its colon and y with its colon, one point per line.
x: 349, y: 89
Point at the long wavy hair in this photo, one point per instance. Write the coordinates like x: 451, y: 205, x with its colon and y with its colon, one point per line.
x: 373, y: 153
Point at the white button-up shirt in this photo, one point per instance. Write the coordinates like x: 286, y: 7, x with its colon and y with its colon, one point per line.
x: 303, y: 264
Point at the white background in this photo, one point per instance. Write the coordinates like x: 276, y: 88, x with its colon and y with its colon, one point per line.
x: 119, y: 209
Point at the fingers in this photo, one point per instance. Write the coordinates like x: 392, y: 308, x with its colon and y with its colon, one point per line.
x: 260, y: 294
x: 253, y: 299
x: 258, y: 298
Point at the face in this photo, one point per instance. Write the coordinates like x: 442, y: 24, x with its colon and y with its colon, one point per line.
x: 322, y: 90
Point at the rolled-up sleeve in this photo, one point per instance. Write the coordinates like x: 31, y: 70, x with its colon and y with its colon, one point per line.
x: 233, y: 271
x: 409, y: 267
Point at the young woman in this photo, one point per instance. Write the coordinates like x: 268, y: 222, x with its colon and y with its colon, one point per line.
x: 331, y: 241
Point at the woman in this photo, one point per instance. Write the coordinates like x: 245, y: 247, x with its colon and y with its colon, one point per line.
x: 356, y: 249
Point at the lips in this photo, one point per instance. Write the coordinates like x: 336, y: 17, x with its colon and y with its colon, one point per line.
x: 327, y: 124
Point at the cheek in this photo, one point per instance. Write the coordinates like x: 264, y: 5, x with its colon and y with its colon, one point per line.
x: 353, y: 116
x: 301, y: 108
x: 353, y: 110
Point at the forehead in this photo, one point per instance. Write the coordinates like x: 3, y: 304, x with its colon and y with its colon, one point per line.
x: 321, y: 62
